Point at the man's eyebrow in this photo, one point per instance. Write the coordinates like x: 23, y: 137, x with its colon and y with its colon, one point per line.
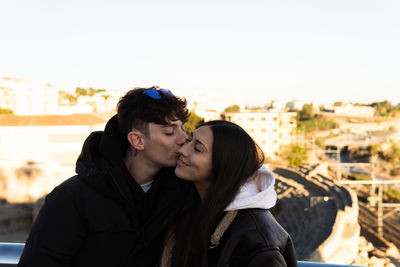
x: 170, y: 125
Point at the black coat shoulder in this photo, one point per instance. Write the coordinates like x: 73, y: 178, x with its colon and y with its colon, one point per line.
x: 254, y: 238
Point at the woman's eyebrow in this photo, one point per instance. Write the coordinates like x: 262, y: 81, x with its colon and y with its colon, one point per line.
x: 199, y: 142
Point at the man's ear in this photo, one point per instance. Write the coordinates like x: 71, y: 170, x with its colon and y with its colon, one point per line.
x: 135, y: 138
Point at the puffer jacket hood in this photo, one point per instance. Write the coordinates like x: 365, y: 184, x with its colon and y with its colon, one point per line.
x: 101, y: 165
x: 103, y: 155
x: 257, y: 192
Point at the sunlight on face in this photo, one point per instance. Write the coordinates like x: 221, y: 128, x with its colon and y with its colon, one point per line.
x: 195, y: 160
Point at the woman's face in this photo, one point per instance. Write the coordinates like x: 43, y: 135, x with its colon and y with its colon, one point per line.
x: 194, y: 163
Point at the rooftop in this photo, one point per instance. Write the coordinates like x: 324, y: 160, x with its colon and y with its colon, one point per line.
x: 51, y: 120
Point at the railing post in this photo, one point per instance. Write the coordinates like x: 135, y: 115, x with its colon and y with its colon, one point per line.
x: 373, y: 164
x: 338, y: 169
x: 380, y: 210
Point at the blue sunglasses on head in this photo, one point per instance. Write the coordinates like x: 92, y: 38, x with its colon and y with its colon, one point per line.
x: 155, y: 94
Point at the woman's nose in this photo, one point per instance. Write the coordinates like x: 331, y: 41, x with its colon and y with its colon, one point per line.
x: 183, y: 150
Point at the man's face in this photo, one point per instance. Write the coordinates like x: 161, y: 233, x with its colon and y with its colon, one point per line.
x: 163, y: 142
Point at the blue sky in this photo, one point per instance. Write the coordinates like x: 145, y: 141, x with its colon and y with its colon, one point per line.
x: 310, y: 50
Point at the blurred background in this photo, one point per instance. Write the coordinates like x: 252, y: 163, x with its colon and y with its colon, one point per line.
x: 315, y: 83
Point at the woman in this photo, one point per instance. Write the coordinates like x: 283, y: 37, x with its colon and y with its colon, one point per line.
x: 226, y: 221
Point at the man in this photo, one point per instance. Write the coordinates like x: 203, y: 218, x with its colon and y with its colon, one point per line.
x: 116, y: 210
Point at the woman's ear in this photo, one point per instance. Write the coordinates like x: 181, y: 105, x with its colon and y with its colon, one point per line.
x: 135, y: 138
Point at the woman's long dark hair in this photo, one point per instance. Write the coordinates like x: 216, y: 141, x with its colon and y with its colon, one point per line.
x: 235, y: 157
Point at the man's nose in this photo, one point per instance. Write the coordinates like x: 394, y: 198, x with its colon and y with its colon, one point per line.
x: 181, y: 138
x: 183, y: 150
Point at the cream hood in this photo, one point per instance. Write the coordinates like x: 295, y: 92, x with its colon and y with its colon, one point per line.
x: 257, y: 192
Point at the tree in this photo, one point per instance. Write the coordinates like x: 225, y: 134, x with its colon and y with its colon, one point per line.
x: 338, y: 104
x: 193, y: 122
x: 6, y: 111
x: 306, y: 113
x: 105, y: 96
x: 233, y: 108
x: 374, y: 149
x: 393, y: 155
x: 64, y: 95
x: 92, y: 92
x: 297, y: 155
x: 386, y: 109
x: 80, y: 91
x: 87, y: 92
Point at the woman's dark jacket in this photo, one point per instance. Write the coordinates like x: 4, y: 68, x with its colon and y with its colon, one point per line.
x: 102, y: 217
x: 253, y: 239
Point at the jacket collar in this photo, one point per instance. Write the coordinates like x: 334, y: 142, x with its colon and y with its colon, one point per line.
x: 222, y: 226
x: 257, y: 192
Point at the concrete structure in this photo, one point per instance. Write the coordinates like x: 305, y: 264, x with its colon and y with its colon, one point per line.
x: 349, y: 110
x: 320, y: 216
x: 26, y: 97
x: 377, y: 125
x: 382, y: 138
x: 271, y: 129
x: 38, y: 152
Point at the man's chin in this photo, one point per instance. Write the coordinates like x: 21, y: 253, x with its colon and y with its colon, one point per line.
x: 172, y: 164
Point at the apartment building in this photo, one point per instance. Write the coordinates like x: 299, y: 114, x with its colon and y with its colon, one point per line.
x: 27, y: 97
x: 7, y: 98
x: 210, y: 106
x: 39, y: 152
x: 271, y: 129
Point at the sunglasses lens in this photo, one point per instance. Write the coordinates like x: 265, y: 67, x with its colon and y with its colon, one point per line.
x: 153, y: 94
x: 166, y: 92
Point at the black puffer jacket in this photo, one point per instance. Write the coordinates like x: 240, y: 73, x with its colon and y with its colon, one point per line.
x: 253, y: 239
x: 102, y: 217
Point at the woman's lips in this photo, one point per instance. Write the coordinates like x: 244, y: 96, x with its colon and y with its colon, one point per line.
x: 181, y: 163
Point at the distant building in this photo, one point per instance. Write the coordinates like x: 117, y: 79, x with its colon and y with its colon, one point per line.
x: 7, y: 98
x: 211, y: 106
x: 79, y: 108
x: 26, y: 97
x: 276, y: 104
x: 208, y: 114
x: 295, y: 105
x: 382, y: 138
x: 102, y: 102
x: 48, y: 144
x: 349, y: 110
x: 45, y: 138
x: 271, y: 129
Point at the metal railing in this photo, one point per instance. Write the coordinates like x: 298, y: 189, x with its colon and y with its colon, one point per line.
x: 11, y: 252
